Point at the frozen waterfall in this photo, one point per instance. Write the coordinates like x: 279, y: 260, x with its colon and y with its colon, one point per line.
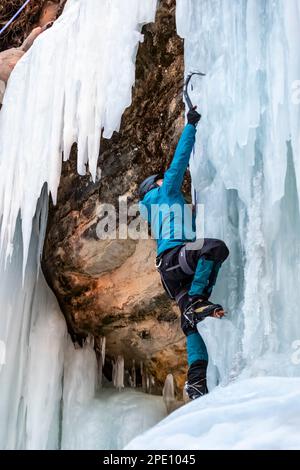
x: 74, y: 83
x: 246, y: 172
x: 34, y: 333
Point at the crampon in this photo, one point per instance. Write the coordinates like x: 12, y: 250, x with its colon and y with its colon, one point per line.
x: 200, y: 309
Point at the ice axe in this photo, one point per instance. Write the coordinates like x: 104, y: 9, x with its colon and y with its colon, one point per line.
x: 186, y: 88
x: 191, y: 106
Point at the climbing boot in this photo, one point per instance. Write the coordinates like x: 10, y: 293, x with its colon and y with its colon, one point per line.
x: 196, y: 386
x: 199, y: 309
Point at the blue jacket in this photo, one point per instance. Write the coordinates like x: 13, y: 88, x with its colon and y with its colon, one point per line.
x: 171, y: 227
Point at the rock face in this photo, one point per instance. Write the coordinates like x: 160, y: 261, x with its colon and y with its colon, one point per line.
x: 110, y: 287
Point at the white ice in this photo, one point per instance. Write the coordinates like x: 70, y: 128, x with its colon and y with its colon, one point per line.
x: 118, y: 373
x: 72, y: 86
x: 49, y: 386
x: 103, y: 419
x: 77, y: 80
x: 246, y: 171
x: 259, y: 413
x: 34, y: 333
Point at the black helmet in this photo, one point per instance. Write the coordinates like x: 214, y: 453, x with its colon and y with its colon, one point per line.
x: 148, y: 184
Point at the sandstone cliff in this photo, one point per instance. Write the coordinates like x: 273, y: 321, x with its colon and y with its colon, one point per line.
x: 111, y: 288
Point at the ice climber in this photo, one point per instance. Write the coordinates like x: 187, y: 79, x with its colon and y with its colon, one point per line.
x: 188, y: 272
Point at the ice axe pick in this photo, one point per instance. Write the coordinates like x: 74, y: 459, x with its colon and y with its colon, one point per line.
x: 186, y: 87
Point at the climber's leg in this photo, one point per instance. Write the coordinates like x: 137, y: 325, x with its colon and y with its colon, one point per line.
x: 212, y: 279
x: 198, y: 269
x: 196, y: 385
x: 206, y: 264
x: 196, y: 352
x: 196, y: 348
x: 184, y: 267
x: 184, y: 271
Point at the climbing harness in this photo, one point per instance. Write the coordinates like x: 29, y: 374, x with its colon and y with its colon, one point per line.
x: 14, y: 17
x: 159, y: 264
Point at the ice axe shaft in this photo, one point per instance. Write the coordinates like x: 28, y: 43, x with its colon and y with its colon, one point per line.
x: 191, y: 106
x: 186, y: 88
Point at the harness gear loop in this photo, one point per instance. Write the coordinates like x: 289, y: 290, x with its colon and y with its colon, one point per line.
x: 158, y: 262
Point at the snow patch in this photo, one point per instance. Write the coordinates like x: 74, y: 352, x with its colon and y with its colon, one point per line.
x: 253, y: 414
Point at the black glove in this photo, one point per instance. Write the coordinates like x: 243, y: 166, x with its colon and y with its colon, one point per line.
x: 193, y: 117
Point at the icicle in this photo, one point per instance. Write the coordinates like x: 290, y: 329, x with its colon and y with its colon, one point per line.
x: 114, y: 370
x: 144, y: 377
x: 101, y: 360
x: 168, y: 392
x: 103, y: 346
x: 118, y: 373
x: 147, y: 379
x: 152, y: 383
x: 90, y: 51
x: 100, y: 374
x: 144, y: 382
x: 133, y: 375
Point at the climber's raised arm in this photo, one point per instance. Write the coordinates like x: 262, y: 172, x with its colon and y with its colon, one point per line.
x: 173, y: 178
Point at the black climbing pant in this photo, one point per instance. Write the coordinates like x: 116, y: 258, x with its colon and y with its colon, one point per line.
x: 192, y: 273
x: 193, y: 270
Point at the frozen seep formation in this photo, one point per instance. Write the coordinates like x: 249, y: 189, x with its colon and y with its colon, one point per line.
x: 247, y: 173
x: 34, y: 332
x: 118, y: 373
x: 111, y: 419
x: 101, y: 359
x: 75, y: 80
x: 169, y: 392
x: 106, y: 419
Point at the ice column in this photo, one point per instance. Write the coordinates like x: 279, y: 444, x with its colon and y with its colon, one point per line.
x: 246, y: 172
